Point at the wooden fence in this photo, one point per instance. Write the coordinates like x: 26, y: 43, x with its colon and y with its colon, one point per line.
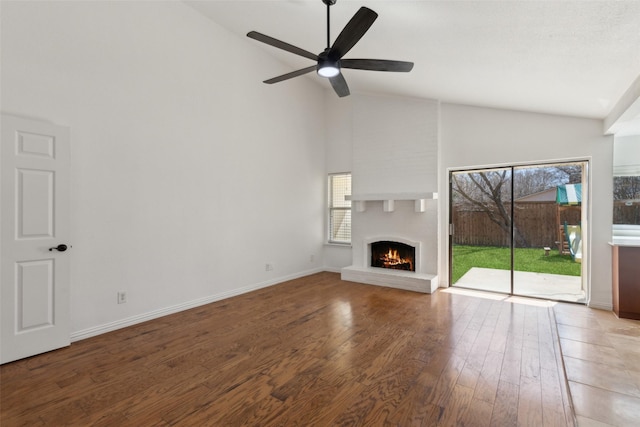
x: 536, y: 221
x: 623, y: 214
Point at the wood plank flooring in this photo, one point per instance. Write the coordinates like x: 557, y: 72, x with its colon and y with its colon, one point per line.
x: 602, y: 357
x: 315, y: 351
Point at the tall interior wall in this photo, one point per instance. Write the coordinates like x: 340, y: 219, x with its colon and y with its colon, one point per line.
x: 187, y: 176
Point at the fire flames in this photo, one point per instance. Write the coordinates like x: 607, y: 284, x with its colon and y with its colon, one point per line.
x: 392, y: 258
x: 392, y: 255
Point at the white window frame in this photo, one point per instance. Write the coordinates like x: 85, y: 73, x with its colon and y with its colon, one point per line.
x: 333, y: 211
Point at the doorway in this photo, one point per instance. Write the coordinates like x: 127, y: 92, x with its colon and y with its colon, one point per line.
x: 35, y: 227
x: 520, y: 230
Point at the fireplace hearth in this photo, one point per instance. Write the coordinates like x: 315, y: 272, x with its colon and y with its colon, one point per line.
x: 393, y: 255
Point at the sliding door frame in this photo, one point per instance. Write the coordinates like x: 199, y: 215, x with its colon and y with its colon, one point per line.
x: 585, y: 215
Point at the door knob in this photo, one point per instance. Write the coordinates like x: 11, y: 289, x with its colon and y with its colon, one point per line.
x: 60, y: 248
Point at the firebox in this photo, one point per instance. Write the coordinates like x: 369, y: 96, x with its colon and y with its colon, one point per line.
x: 393, y: 255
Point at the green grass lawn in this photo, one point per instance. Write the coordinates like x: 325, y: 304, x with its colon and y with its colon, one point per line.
x: 525, y: 259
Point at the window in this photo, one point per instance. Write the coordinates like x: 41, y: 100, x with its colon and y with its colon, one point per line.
x: 339, y: 208
x: 626, y: 200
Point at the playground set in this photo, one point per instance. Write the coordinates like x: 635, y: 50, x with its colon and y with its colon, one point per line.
x: 569, y: 197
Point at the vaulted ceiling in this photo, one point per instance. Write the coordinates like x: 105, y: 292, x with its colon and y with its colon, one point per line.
x: 572, y: 58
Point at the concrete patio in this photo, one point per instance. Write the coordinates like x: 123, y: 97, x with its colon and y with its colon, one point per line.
x: 539, y: 285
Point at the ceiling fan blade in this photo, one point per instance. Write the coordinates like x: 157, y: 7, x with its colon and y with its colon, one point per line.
x: 377, y: 65
x: 353, y: 31
x: 291, y: 75
x: 281, y: 45
x: 339, y: 85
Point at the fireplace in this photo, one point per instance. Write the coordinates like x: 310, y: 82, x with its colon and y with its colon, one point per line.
x: 393, y: 255
x: 390, y: 260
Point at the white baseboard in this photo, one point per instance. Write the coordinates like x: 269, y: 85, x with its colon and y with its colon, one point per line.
x: 600, y: 305
x: 332, y: 269
x: 139, y: 318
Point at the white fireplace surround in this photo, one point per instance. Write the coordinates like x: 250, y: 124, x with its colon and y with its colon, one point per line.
x: 409, y: 280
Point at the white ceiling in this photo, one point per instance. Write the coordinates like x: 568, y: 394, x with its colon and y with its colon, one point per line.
x: 573, y: 58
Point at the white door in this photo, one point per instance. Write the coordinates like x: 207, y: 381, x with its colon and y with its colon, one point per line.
x: 34, y: 167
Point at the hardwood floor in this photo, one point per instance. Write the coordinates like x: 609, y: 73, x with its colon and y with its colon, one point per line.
x: 312, y: 351
x: 602, y: 357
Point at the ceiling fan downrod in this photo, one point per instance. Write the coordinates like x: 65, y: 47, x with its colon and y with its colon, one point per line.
x: 329, y: 3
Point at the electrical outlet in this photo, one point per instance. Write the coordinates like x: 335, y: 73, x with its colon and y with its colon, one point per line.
x: 312, y: 258
x: 268, y: 267
x: 122, y: 297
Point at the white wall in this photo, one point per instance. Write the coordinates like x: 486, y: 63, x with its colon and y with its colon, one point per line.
x: 626, y: 155
x: 189, y: 174
x: 395, y: 144
x: 338, y: 158
x: 473, y: 136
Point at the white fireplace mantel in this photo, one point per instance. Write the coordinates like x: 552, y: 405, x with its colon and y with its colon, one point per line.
x: 388, y: 200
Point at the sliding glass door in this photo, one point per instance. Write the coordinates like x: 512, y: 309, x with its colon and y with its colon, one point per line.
x: 481, y: 229
x: 519, y: 230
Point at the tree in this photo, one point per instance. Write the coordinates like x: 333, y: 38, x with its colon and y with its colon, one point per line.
x: 626, y: 187
x: 626, y: 198
x: 487, y: 191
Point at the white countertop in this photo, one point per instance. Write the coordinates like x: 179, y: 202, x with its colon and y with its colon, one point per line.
x: 625, y: 241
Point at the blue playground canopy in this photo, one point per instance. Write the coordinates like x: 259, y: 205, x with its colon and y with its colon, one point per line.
x: 569, y: 195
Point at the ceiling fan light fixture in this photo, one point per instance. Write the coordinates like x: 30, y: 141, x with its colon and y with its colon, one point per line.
x: 328, y: 70
x: 330, y: 61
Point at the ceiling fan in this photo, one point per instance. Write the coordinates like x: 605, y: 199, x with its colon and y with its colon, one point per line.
x: 329, y: 62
